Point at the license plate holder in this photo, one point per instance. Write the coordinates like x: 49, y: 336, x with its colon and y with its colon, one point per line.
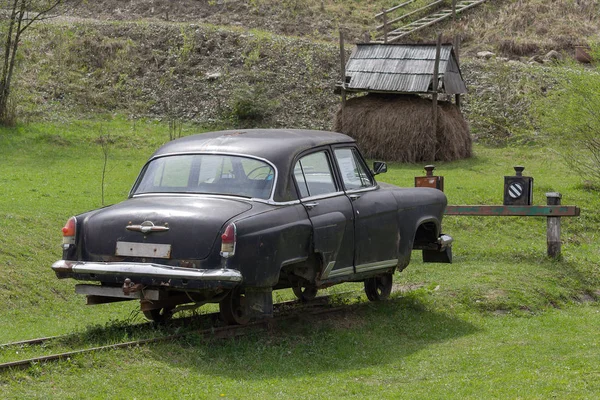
x: 147, y: 250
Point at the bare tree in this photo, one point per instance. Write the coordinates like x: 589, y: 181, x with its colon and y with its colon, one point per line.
x: 105, y: 141
x: 21, y: 14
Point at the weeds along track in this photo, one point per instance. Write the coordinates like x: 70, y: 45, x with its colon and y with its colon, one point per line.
x: 282, y: 311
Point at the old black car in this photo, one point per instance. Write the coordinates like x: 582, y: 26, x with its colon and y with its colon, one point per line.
x: 228, y: 217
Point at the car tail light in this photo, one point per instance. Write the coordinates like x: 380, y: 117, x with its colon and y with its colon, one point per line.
x: 69, y: 231
x: 228, y: 241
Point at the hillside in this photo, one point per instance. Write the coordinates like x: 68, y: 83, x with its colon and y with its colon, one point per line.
x: 514, y: 27
x: 260, y: 62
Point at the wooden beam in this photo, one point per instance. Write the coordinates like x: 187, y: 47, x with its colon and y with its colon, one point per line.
x: 394, y: 8
x: 385, y: 27
x: 384, y: 13
x: 514, y: 211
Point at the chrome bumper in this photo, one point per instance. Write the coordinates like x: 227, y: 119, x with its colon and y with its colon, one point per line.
x: 154, y: 271
x: 445, y: 241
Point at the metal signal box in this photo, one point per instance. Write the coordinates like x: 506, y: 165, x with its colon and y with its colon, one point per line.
x: 518, y: 189
x: 436, y: 182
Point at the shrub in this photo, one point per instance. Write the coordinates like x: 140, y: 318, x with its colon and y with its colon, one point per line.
x: 251, y: 103
x: 571, y: 113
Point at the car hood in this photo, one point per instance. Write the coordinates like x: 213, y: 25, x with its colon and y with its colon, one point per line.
x: 189, y: 224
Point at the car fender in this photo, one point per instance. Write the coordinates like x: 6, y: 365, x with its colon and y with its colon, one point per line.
x: 268, y: 241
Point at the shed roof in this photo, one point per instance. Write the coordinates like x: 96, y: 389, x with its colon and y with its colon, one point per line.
x: 403, y: 68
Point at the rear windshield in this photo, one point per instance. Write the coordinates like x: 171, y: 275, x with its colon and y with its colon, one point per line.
x: 208, y: 174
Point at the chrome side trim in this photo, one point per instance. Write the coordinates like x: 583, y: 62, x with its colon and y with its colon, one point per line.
x: 322, y: 196
x: 362, y: 190
x: 327, y: 270
x: 294, y: 260
x: 376, y: 265
x: 341, y: 271
x: 128, y: 270
x: 276, y: 203
x: 221, y: 196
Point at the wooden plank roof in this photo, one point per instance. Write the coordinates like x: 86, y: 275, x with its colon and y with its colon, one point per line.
x: 393, y: 68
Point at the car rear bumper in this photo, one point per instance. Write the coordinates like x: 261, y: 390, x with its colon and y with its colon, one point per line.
x: 148, y: 274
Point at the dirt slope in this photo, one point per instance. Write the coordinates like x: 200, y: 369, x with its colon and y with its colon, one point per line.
x: 200, y: 60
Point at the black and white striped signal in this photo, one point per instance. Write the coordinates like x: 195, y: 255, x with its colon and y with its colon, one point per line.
x: 518, y: 189
x: 515, y: 190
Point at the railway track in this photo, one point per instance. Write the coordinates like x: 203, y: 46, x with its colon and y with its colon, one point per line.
x: 282, y: 311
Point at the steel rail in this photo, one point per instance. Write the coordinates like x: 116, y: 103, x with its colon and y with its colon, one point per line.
x: 29, y: 342
x: 182, y: 321
x: 215, y: 332
x: 42, y: 340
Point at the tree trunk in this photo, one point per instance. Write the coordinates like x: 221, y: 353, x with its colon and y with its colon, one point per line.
x: 9, y: 60
x: 19, y: 21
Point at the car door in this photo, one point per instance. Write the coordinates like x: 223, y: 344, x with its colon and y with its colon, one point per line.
x: 376, y: 233
x: 330, y: 212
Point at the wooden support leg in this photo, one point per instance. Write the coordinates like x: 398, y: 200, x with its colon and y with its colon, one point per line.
x: 553, y: 227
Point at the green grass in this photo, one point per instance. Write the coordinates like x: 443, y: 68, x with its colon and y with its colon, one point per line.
x: 502, y: 321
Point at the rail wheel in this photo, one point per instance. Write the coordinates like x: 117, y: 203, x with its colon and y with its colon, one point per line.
x: 233, y: 308
x: 159, y: 314
x: 379, y: 287
x: 305, y: 293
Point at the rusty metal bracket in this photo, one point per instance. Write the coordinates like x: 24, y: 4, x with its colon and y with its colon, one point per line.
x: 129, y: 287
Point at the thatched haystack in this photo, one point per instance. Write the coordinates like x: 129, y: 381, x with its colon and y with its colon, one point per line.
x: 399, y: 128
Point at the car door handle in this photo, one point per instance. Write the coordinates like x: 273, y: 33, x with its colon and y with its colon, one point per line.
x: 312, y: 205
x: 354, y: 196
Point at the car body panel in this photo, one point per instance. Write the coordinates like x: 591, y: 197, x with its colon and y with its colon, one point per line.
x: 337, y: 227
x: 333, y: 230
x: 197, y: 219
x: 376, y: 238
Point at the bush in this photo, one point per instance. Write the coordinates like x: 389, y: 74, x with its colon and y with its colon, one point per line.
x: 251, y: 104
x: 571, y: 113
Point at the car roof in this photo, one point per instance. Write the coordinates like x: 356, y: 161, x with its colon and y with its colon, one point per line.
x: 270, y: 144
x: 279, y: 146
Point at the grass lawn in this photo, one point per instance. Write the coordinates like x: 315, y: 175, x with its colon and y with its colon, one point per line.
x: 502, y: 321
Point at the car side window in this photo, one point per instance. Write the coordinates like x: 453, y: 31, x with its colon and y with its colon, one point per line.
x: 354, y: 172
x: 313, y: 175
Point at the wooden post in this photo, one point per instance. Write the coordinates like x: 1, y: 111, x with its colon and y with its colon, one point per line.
x: 385, y: 27
x: 457, y: 49
x: 434, y: 95
x: 454, y: 10
x: 343, y: 69
x: 457, y: 54
x: 553, y: 227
